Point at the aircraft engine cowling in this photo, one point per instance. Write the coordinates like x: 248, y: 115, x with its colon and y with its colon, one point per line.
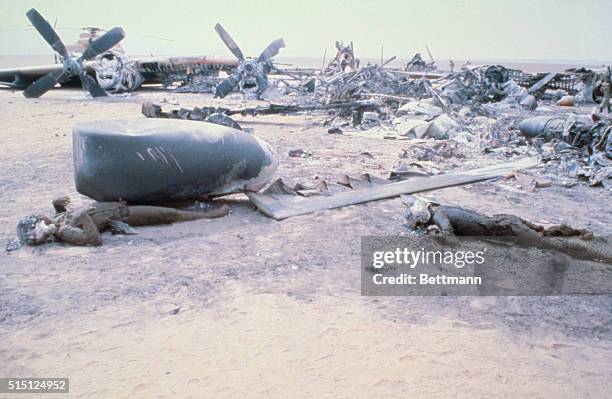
x: 115, y: 73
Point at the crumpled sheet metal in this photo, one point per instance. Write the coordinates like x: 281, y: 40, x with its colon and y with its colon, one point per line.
x: 577, y: 138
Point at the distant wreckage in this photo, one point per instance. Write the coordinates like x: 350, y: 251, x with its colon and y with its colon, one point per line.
x: 100, y: 66
x: 251, y: 76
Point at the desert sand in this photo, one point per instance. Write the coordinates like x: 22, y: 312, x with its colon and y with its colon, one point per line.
x: 245, y: 306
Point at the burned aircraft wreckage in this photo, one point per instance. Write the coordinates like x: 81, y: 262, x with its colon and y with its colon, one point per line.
x: 100, y: 65
x: 251, y: 75
x: 344, y: 61
x: 450, y: 107
x: 486, y: 109
x: 72, y: 66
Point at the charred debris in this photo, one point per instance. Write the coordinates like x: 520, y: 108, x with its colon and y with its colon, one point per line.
x: 478, y: 110
x: 555, y: 125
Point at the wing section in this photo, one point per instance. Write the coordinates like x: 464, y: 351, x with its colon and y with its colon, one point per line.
x: 22, y: 77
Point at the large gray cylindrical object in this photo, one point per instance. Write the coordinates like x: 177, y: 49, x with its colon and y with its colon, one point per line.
x: 157, y: 160
x: 542, y: 126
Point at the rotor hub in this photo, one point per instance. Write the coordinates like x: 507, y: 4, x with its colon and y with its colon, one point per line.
x: 72, y: 65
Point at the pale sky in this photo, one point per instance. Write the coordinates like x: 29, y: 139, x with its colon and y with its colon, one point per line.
x: 458, y: 29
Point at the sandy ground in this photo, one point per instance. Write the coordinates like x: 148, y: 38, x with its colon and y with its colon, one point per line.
x: 244, y: 306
